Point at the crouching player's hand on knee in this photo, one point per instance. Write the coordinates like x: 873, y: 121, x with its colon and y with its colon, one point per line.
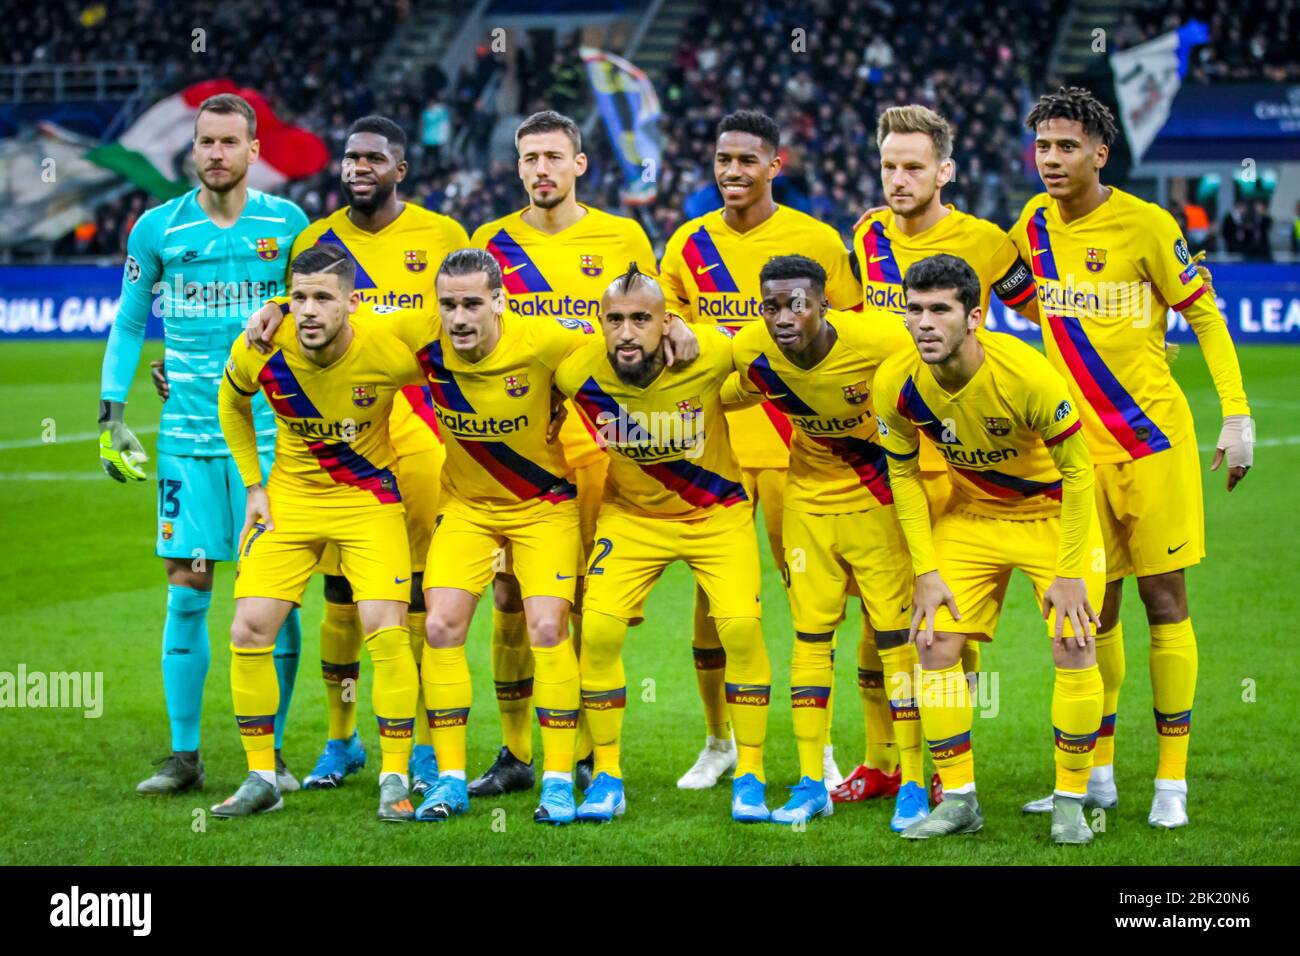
x: 1069, y: 596
x: 257, y: 512
x: 931, y: 593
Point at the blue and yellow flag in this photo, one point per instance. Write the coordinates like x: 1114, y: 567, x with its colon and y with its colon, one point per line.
x: 630, y: 109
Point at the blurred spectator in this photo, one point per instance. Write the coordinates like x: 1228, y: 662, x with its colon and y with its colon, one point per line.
x: 1234, y: 229
x: 1259, y: 244
x: 435, y: 131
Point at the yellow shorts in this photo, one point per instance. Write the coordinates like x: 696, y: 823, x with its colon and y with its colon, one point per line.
x: 1152, y: 512
x: 470, y: 545
x: 976, y: 555
x: 418, y: 477
x: 370, y: 539
x: 825, y: 553
x: 580, y: 448
x: 766, y: 489
x: 590, y: 482
x: 632, y: 551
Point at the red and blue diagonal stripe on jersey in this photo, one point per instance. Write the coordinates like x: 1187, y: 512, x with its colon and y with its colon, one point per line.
x: 283, y: 391
x: 363, y: 280
x: 518, y: 271
x: 998, y: 484
x: 769, y: 383
x: 774, y: 387
x: 422, y: 404
x: 342, y: 463
x: 878, y: 256
x: 699, y: 486
x: 1040, y: 246
x: 443, y: 387
x: 1119, y: 412
x: 914, y: 408
x: 706, y: 265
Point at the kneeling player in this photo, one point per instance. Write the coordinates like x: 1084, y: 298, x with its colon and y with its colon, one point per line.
x: 1022, y: 498
x: 331, y: 384
x: 673, y: 493
x: 818, y: 368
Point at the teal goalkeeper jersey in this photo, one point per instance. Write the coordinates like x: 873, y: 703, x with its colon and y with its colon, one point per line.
x: 203, y: 281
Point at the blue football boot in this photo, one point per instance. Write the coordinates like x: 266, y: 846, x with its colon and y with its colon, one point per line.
x: 910, y: 806
x: 448, y: 798
x: 341, y: 758
x: 749, y: 800
x: 556, y: 805
x: 604, y: 800
x: 808, y: 798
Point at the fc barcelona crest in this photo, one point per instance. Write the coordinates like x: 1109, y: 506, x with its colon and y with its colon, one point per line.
x: 690, y: 407
x: 998, y: 426
x: 856, y: 393
x: 517, y: 385
x: 363, y: 396
x: 417, y: 260
x: 167, y: 532
x: 592, y: 266
x: 268, y: 249
x: 1095, y: 260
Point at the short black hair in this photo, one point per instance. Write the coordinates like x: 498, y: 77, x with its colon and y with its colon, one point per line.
x: 754, y: 122
x: 794, y: 267
x: 549, y: 121
x: 466, y: 262
x: 1075, y: 103
x: 936, y: 273
x: 631, y: 279
x: 326, y: 257
x: 383, y: 126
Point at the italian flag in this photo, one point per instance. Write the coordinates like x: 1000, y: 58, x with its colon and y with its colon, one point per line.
x: 154, y: 152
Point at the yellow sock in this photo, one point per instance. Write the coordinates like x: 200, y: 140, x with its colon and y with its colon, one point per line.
x: 946, y: 720
x: 1110, y: 661
x: 393, y: 697
x: 1076, y: 716
x: 1173, y: 690
x: 830, y: 698
x: 810, y: 678
x: 415, y: 627
x: 583, y: 748
x: 444, y: 672
x: 512, y: 669
x: 749, y: 689
x: 882, y: 750
x: 340, y: 664
x: 557, y: 695
x: 604, y: 687
x: 256, y: 694
x: 710, y: 663
x: 900, y: 666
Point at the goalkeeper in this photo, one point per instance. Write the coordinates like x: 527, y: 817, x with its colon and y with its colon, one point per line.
x: 210, y: 256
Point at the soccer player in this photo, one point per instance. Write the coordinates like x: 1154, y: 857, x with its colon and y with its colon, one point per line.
x: 710, y: 274
x: 552, y: 255
x: 210, y: 256
x: 1108, y: 267
x: 396, y: 246
x: 331, y: 382
x: 916, y: 162
x: 673, y: 492
x: 818, y: 366
x: 1022, y: 498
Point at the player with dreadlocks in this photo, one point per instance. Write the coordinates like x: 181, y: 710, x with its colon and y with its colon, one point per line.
x: 1108, y: 267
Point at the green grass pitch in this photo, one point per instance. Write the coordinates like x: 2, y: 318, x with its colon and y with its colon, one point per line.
x: 82, y: 591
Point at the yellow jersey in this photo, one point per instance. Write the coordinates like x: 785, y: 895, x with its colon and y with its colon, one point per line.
x: 396, y: 267
x: 837, y: 465
x: 493, y: 413
x: 710, y: 275
x: 332, y: 445
x: 670, y: 455
x: 563, y: 276
x: 1105, y: 284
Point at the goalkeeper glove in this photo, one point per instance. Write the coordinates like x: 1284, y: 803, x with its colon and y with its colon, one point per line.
x: 120, y: 452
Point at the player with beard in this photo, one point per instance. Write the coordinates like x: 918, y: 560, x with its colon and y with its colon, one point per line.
x: 210, y: 256
x: 915, y: 164
x: 710, y: 274
x: 397, y: 247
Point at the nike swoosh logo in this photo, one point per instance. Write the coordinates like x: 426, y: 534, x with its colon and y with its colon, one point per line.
x: 1179, y: 548
x: 246, y: 720
x: 511, y: 270
x: 277, y: 396
x: 1038, y: 252
x: 400, y: 580
x: 878, y: 258
x: 700, y: 270
x: 564, y: 577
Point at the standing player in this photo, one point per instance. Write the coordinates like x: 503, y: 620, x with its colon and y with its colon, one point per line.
x: 818, y: 367
x: 210, y: 256
x: 1109, y: 266
x: 331, y: 383
x: 916, y: 162
x: 710, y: 274
x: 674, y: 493
x: 1022, y: 498
x: 396, y: 246
x: 552, y: 255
